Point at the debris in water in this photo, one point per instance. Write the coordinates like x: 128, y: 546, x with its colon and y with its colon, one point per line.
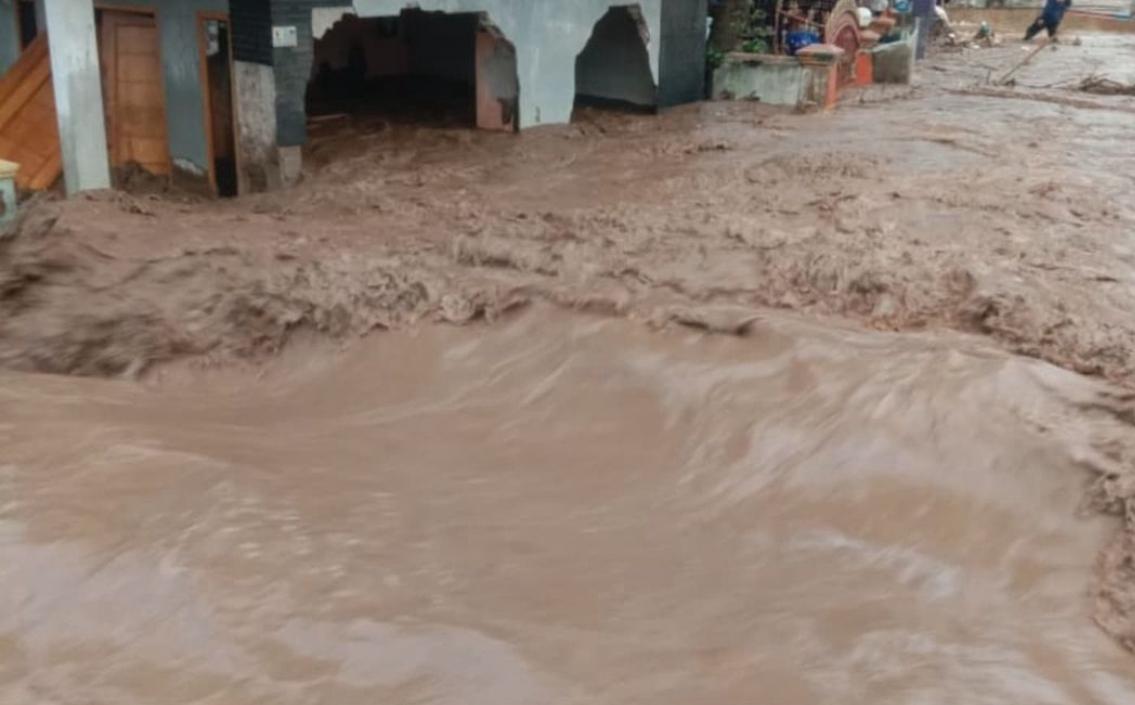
x: 1105, y: 86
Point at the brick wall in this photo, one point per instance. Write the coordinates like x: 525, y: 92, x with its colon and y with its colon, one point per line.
x: 682, y: 70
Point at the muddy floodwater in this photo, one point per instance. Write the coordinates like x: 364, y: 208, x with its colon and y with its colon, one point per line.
x: 561, y: 509
x: 723, y: 406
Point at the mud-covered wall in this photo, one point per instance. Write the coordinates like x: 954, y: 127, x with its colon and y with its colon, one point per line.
x: 548, y: 36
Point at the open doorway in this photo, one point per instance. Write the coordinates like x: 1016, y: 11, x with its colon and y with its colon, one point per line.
x: 613, y: 70
x: 213, y: 33
x: 418, y: 68
x: 28, y: 24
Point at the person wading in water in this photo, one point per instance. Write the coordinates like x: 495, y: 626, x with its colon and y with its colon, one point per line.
x: 1050, y: 18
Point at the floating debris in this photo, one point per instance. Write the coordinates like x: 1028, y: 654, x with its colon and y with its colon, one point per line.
x: 1105, y: 86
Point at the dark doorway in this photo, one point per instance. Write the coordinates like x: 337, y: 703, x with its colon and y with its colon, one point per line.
x: 417, y: 68
x: 613, y: 70
x: 25, y: 15
x: 216, y: 62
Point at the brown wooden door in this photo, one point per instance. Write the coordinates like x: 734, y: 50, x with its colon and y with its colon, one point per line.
x: 132, y: 82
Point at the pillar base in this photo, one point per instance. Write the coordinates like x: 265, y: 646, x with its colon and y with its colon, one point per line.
x: 291, y: 165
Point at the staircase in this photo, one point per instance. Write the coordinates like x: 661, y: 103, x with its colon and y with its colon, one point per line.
x: 29, y: 134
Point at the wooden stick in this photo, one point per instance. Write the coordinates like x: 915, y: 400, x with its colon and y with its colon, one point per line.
x: 1004, y: 79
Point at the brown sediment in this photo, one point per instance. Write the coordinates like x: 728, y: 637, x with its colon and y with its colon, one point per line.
x: 949, y: 212
x: 562, y: 508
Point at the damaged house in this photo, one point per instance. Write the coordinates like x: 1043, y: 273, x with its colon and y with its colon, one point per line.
x: 218, y: 94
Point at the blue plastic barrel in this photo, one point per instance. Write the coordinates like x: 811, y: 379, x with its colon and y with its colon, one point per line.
x: 797, y: 40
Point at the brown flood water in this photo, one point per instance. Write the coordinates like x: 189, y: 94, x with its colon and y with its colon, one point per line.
x: 559, y: 509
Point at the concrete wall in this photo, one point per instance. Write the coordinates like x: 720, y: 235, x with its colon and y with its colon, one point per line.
x: 682, y: 65
x: 547, y: 34
x: 497, y: 89
x: 254, y: 83
x: 181, y: 70
x: 615, y: 64
x: 255, y: 92
x: 776, y: 80
x: 9, y: 35
x: 894, y: 62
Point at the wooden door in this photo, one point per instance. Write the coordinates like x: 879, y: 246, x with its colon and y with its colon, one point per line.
x: 130, y: 56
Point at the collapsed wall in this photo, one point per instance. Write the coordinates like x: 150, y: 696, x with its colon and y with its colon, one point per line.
x: 547, y: 35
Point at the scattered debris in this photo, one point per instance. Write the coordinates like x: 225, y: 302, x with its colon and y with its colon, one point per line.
x: 1105, y: 86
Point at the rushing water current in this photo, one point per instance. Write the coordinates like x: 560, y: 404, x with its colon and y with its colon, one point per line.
x: 557, y: 509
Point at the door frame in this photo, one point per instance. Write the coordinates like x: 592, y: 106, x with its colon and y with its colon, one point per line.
x: 204, y: 16
x: 150, y: 11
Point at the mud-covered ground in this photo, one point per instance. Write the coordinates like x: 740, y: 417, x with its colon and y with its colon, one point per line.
x: 1003, y: 211
x: 1000, y: 211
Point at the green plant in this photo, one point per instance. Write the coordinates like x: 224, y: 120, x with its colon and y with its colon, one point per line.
x: 756, y: 45
x: 714, y: 58
x: 740, y: 25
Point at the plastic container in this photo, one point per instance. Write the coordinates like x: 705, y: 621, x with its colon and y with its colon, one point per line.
x: 795, y: 41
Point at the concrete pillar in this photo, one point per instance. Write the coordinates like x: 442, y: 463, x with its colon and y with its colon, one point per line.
x: 924, y: 20
x: 78, y: 94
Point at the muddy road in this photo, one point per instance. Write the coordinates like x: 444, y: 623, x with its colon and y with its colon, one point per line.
x: 747, y: 406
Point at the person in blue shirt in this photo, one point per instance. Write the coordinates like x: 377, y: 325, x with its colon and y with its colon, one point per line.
x: 1049, y: 19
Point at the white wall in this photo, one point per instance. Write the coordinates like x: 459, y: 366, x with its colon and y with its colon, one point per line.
x: 548, y: 36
